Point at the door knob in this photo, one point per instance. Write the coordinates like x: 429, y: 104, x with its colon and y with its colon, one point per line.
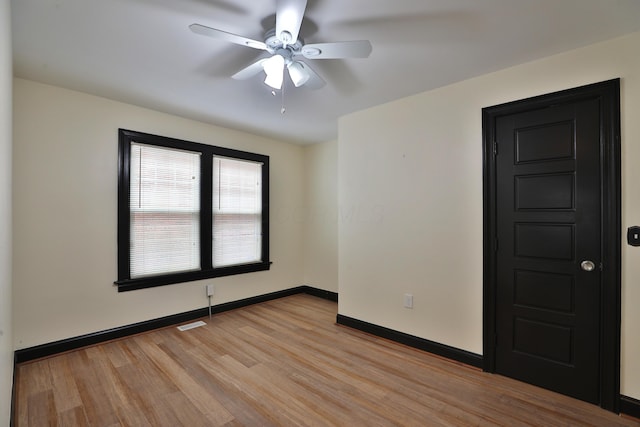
x: 587, y: 265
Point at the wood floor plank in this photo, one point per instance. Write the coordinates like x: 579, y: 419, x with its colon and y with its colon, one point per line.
x: 210, y: 407
x: 73, y: 417
x: 62, y: 381
x: 42, y: 410
x: 280, y: 363
x: 200, y: 366
x: 96, y: 401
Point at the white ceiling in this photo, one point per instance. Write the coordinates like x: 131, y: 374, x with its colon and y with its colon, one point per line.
x: 142, y: 52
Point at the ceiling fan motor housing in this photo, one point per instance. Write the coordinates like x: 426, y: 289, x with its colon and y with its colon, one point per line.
x: 274, y: 44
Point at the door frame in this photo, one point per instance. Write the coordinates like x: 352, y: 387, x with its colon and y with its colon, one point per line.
x: 608, y: 93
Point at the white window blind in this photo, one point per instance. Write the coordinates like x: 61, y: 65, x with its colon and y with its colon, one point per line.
x: 237, y: 212
x: 165, y: 210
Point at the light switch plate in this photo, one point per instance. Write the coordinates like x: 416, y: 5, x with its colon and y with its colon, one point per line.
x: 633, y: 236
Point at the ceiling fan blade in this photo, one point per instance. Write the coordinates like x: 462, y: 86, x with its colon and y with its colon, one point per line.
x: 289, y: 14
x: 223, y: 35
x: 337, y: 50
x: 314, y: 81
x: 250, y: 71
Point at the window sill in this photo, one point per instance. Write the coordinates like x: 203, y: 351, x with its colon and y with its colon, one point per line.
x: 171, y: 279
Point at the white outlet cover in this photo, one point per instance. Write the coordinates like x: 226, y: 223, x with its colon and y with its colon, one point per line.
x: 408, y: 301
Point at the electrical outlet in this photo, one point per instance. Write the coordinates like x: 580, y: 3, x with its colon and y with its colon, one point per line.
x: 209, y: 290
x: 408, y: 301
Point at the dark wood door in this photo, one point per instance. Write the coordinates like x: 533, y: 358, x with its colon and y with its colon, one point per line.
x: 548, y: 247
x: 551, y: 192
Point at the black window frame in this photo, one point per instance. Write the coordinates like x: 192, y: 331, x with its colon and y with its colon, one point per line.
x: 207, y: 271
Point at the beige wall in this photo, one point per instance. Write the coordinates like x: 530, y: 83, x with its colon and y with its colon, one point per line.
x: 321, y: 216
x: 6, y: 344
x: 410, y: 177
x: 65, y: 198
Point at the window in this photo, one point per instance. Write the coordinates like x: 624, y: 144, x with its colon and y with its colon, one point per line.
x: 237, y: 208
x: 164, y: 210
x: 188, y: 211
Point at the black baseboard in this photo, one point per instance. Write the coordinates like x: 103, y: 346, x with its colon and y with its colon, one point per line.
x: 49, y: 349
x: 321, y: 293
x: 452, y: 353
x: 630, y: 406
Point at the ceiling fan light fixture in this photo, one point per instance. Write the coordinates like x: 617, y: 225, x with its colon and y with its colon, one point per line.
x: 298, y: 73
x: 274, y: 69
x: 283, y: 45
x: 274, y: 81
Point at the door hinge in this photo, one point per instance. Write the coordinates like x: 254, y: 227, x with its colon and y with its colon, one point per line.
x: 495, y: 148
x: 495, y: 245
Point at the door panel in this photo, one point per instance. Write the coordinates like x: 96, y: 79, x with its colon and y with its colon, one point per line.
x: 549, y: 241
x: 547, y: 222
x: 550, y: 191
x: 544, y: 340
x: 549, y: 141
x: 545, y: 291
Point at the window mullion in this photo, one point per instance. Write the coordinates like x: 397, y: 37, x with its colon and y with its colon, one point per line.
x: 206, y: 207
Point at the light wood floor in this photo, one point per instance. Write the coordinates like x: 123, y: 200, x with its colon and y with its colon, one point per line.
x: 283, y: 363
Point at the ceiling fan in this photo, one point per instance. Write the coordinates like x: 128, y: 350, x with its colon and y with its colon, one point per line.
x: 286, y: 47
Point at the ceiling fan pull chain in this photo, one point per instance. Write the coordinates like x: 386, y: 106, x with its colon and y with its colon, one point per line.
x: 282, y: 109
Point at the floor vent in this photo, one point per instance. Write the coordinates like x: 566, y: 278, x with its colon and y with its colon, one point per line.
x: 191, y: 325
